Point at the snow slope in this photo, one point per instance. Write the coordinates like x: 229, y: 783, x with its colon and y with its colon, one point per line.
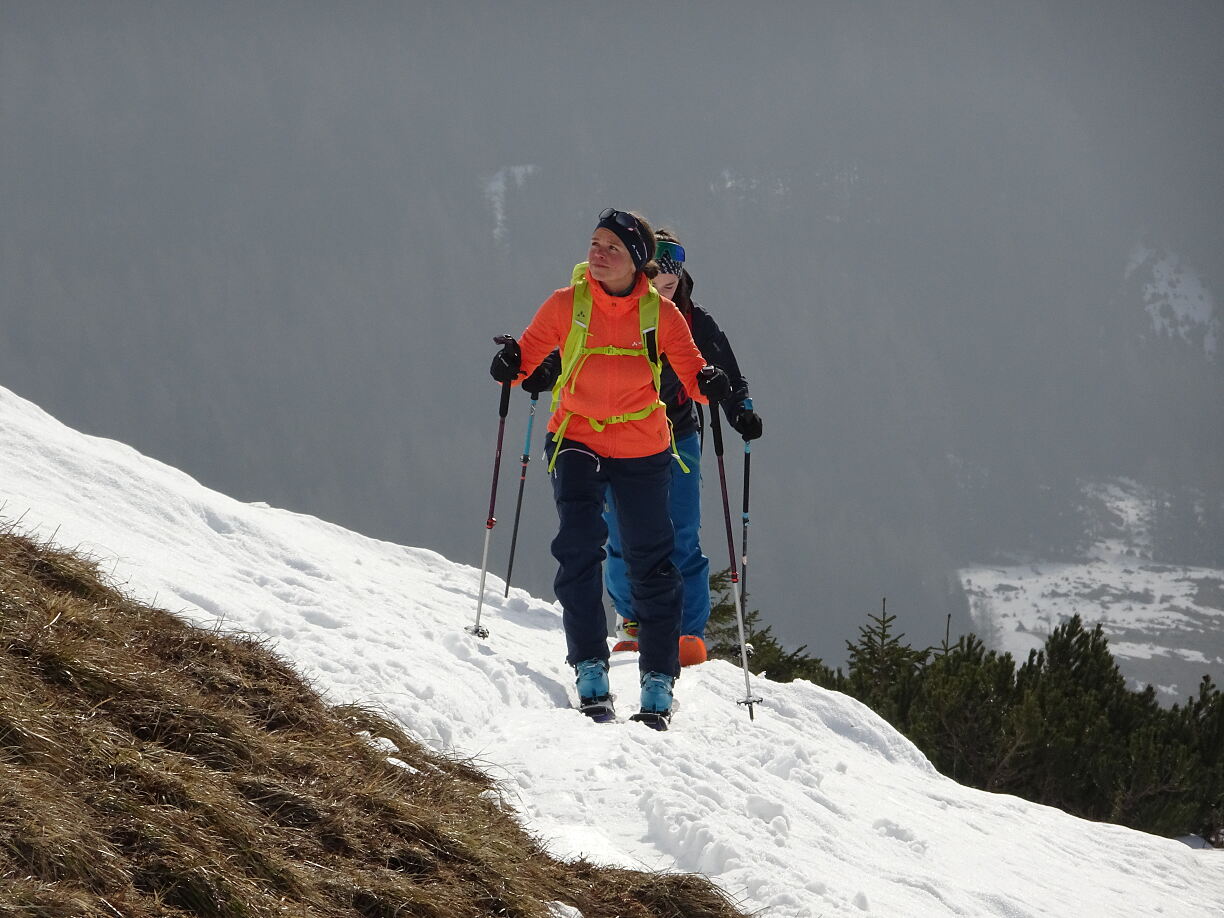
x: 816, y: 808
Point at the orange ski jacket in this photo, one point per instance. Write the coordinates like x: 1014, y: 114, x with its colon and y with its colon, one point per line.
x: 610, y: 385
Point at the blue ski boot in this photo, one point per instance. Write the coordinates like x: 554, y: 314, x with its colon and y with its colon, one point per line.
x: 656, y: 700
x: 594, y: 693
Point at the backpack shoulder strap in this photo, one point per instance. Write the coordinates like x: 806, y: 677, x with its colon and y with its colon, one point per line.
x: 648, y: 322
x: 580, y: 327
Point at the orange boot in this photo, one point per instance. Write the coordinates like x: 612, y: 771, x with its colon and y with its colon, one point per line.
x: 692, y: 650
x: 626, y: 635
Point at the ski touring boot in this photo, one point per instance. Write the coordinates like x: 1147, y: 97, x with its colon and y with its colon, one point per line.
x: 594, y: 693
x: 626, y: 635
x: 656, y: 709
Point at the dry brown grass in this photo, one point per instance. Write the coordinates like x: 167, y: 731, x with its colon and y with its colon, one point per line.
x: 149, y: 767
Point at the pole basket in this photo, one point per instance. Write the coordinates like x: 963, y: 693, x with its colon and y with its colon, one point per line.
x: 749, y: 702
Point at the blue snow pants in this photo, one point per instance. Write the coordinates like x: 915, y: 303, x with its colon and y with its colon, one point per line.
x: 694, y: 567
x: 580, y: 480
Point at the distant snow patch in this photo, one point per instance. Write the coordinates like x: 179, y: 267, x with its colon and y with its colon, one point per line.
x: 495, y: 189
x: 748, y: 186
x: 1174, y: 295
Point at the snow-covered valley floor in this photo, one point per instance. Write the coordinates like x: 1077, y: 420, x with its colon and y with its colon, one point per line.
x: 1164, y: 622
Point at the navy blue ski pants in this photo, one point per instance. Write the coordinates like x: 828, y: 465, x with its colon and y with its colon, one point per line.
x: 640, y: 489
x: 694, y: 567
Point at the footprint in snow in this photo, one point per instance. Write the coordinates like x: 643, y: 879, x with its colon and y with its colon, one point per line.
x: 321, y: 619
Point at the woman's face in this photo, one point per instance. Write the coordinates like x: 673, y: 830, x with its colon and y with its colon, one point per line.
x: 610, y: 262
x: 666, y: 284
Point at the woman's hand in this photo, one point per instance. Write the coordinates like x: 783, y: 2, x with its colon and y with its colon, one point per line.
x: 713, y: 383
x: 506, y: 362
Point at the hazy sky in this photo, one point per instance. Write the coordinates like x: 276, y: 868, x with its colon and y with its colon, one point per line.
x: 271, y: 244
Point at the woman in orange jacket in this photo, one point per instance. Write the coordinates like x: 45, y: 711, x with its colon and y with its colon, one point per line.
x: 610, y: 431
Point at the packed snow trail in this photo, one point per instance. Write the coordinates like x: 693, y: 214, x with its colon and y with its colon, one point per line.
x: 816, y: 808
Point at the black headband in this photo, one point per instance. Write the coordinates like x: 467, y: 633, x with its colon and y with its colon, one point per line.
x: 628, y: 229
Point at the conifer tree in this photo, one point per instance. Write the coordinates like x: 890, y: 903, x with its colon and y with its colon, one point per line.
x: 1201, y: 723
x: 1070, y: 690
x: 958, y: 713
x: 881, y: 670
x: 1094, y: 748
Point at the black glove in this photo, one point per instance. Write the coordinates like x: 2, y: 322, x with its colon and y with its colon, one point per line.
x: 747, y: 424
x: 713, y: 383
x: 505, y: 366
x: 544, y: 377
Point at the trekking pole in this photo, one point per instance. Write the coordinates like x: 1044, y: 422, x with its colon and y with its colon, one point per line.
x: 477, y: 629
x: 518, y: 507
x: 747, y: 479
x: 716, y: 425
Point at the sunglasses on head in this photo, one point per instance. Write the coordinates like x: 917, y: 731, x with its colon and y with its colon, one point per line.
x: 629, y: 221
x: 672, y: 250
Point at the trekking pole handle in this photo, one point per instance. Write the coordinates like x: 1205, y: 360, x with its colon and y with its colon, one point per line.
x: 716, y: 428
x: 504, y: 408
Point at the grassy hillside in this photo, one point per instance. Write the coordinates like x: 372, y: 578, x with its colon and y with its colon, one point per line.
x: 149, y: 767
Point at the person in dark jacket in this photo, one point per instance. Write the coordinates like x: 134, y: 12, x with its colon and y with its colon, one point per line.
x: 675, y: 283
